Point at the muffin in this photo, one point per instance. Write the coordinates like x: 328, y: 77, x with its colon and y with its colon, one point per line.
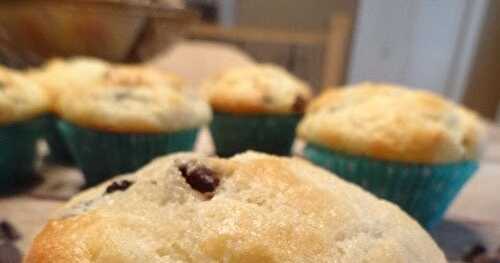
x: 250, y: 208
x: 57, y: 76
x: 60, y: 75
x: 123, y: 122
x: 255, y: 107
x: 22, y: 102
x: 411, y: 147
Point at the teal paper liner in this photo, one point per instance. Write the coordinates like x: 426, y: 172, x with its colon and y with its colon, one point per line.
x: 423, y: 191
x: 18, y: 152
x: 102, y: 155
x: 234, y: 134
x: 59, y: 151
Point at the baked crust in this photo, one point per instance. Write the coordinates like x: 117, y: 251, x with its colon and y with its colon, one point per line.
x: 257, y: 89
x: 393, y: 123
x: 264, y: 209
x: 20, y: 97
x: 58, y: 74
x: 133, y: 109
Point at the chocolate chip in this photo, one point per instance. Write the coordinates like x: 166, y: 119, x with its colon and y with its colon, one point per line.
x: 299, y: 105
x: 184, y: 169
x: 128, y: 95
x: 267, y: 99
x: 8, y: 232
x: 118, y: 186
x: 475, y: 252
x: 121, y: 95
x: 200, y: 178
x: 9, y: 253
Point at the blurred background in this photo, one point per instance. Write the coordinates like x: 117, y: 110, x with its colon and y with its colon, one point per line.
x: 448, y: 46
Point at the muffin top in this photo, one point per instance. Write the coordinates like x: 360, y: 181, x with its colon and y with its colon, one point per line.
x: 20, y: 97
x: 257, y: 89
x: 129, y: 103
x: 394, y: 123
x: 250, y: 208
x: 129, y: 74
x: 59, y: 75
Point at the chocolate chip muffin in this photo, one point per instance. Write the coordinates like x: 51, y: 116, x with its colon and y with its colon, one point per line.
x: 126, y: 120
x: 63, y: 75
x: 250, y: 208
x: 419, y: 148
x: 256, y: 107
x: 22, y: 102
x: 128, y: 103
x: 57, y: 76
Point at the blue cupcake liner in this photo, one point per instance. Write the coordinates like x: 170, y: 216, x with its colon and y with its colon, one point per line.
x: 425, y: 191
x: 234, y: 134
x: 59, y: 151
x: 102, y: 155
x: 18, y: 152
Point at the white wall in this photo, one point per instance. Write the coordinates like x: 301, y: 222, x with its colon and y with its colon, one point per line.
x: 424, y: 43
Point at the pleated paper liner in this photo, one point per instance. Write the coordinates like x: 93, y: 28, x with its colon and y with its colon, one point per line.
x: 102, y: 155
x: 59, y: 151
x: 234, y: 134
x: 18, y: 152
x: 423, y: 191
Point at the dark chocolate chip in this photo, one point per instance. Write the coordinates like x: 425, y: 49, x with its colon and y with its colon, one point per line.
x: 118, y: 186
x: 122, y: 95
x: 474, y: 252
x: 125, y: 95
x: 9, y: 253
x: 299, y: 105
x: 8, y: 232
x: 184, y: 169
x: 267, y: 99
x: 200, y: 179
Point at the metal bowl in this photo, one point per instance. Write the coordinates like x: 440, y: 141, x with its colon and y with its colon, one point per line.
x: 32, y: 31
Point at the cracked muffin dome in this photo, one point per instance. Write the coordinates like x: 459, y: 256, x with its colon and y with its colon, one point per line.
x: 20, y: 97
x: 131, y: 105
x: 250, y: 208
x: 394, y: 123
x: 257, y: 89
x: 60, y: 74
x: 129, y: 74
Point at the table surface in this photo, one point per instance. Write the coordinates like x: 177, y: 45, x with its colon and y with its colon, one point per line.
x: 473, y: 218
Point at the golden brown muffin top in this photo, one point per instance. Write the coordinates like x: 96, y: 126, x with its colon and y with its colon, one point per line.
x: 391, y: 122
x: 257, y: 89
x: 60, y: 75
x: 250, y: 208
x: 131, y: 107
x: 20, y: 97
